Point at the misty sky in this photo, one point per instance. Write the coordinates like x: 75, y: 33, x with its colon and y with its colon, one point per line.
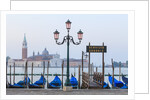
x: 112, y: 29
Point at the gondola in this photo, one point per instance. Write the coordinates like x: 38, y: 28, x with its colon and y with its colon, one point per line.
x: 56, y: 83
x: 39, y: 83
x: 125, y: 80
x: 16, y: 86
x: 24, y: 82
x: 20, y: 84
x: 117, y: 84
x: 74, y: 82
x: 106, y: 86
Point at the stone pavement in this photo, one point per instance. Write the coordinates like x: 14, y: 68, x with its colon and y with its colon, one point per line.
x: 61, y: 92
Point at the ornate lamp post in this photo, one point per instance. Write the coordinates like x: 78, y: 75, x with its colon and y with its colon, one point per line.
x: 68, y: 39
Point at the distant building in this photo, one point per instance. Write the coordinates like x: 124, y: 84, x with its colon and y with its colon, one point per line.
x: 76, y: 62
x: 116, y: 64
x: 38, y: 59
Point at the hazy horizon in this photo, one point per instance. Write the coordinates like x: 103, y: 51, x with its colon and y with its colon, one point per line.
x: 112, y: 29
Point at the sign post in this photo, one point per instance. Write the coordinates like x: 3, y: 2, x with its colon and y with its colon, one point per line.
x: 103, y: 66
x: 97, y: 49
x: 89, y: 66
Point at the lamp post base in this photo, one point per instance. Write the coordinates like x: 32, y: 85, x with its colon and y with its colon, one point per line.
x: 67, y: 83
x: 67, y: 88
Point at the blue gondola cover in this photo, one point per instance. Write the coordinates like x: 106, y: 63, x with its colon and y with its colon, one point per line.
x: 34, y: 86
x: 125, y: 80
x: 15, y: 86
x: 24, y: 82
x: 40, y: 81
x: 56, y: 83
x: 73, y: 81
x: 117, y: 83
x: 20, y: 84
x: 105, y: 85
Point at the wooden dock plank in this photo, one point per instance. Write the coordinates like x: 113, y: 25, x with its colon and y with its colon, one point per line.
x: 94, y: 85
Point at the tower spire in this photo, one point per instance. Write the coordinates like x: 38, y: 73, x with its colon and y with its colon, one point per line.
x: 25, y: 37
x: 24, y: 44
x: 24, y: 47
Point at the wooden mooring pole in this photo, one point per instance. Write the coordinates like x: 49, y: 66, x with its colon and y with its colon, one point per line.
x: 14, y: 74
x: 26, y: 74
x: 100, y: 78
x: 82, y: 60
x: 62, y: 72
x: 6, y: 75
x: 119, y: 71
x: 91, y: 69
x: 79, y: 78
x: 112, y: 73
x: 96, y: 69
x: 43, y: 73
x: 10, y: 74
x: 103, y: 74
x: 47, y: 74
x: 32, y: 74
x: 74, y: 72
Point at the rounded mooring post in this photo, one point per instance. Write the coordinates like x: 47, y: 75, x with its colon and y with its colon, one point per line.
x: 43, y: 73
x: 79, y: 77
x: 103, y: 74
x: 82, y: 60
x: 112, y: 73
x: 62, y: 72
x: 32, y: 74
x: 119, y: 71
x: 10, y: 74
x: 47, y: 74
x: 14, y: 74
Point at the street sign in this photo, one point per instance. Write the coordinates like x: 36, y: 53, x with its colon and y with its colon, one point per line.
x: 96, y: 49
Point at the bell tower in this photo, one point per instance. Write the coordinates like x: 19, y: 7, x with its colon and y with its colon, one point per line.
x: 24, y: 48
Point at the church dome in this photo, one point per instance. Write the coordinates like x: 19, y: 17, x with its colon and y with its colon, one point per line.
x: 45, y: 52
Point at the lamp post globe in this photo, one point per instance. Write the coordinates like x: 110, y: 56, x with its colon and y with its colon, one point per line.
x: 68, y: 25
x: 80, y: 35
x: 56, y: 35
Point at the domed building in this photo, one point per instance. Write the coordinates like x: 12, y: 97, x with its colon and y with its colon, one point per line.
x: 44, y: 56
x: 36, y: 59
x: 45, y: 52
